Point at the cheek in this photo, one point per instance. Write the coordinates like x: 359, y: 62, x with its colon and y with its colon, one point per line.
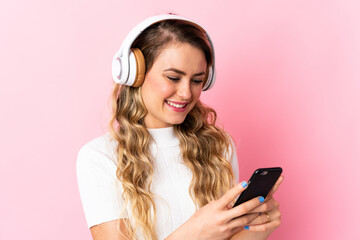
x: 195, y: 97
x: 197, y: 93
x: 156, y: 88
x: 164, y: 90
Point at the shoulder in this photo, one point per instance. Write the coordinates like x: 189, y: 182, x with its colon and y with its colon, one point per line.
x: 231, y: 143
x: 233, y: 156
x: 105, y: 143
x: 99, y: 152
x: 99, y: 188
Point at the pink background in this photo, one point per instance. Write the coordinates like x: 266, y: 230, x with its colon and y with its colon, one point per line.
x: 288, y: 90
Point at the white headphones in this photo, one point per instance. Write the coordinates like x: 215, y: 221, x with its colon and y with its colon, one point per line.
x: 128, y: 66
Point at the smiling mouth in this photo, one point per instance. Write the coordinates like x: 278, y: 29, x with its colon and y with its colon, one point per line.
x: 176, y: 105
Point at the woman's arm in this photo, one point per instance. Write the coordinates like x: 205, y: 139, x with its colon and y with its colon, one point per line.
x: 218, y: 220
x: 112, y: 230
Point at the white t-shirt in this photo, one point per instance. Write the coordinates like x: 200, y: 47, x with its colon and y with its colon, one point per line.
x: 100, y: 190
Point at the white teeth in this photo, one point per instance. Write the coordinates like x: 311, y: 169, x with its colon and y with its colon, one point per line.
x: 175, y: 105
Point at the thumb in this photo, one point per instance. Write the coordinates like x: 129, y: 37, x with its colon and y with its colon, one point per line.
x: 225, y: 201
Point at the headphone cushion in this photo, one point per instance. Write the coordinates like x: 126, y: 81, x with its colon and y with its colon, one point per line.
x: 140, y: 67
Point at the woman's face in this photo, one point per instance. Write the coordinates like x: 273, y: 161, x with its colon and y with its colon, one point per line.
x: 173, y: 84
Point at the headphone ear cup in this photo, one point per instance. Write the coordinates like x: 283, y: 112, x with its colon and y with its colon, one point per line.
x: 209, y: 79
x: 140, y: 67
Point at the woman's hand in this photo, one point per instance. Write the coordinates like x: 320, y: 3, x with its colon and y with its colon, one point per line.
x: 269, y: 217
x: 218, y: 220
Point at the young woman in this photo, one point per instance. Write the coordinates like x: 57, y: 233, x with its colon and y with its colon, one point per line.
x: 165, y: 170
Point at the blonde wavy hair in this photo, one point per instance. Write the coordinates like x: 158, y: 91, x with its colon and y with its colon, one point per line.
x: 205, y: 147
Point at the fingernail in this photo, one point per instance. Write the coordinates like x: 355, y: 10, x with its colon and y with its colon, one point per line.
x: 244, y: 184
x: 246, y: 227
x: 261, y: 199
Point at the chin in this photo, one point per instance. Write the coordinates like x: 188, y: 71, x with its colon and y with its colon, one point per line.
x: 176, y: 122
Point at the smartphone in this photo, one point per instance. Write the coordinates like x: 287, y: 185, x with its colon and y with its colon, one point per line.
x: 260, y: 184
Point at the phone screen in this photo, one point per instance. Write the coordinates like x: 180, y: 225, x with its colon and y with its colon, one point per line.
x: 260, y: 184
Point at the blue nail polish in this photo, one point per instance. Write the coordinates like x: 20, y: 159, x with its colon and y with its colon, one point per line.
x: 244, y: 184
x: 261, y: 199
x: 246, y: 227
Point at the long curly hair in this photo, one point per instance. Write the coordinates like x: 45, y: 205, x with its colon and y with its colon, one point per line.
x: 205, y: 147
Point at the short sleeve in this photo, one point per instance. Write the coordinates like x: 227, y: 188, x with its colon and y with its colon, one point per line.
x: 99, y: 189
x: 234, y: 160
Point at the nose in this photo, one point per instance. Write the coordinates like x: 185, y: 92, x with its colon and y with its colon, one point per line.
x: 184, y: 90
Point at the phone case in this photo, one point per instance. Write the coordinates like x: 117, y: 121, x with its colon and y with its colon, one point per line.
x: 260, y: 184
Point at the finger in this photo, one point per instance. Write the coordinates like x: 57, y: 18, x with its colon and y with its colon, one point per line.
x: 263, y: 218
x: 243, y: 220
x: 267, y: 206
x: 264, y: 227
x: 235, y: 231
x: 245, y: 207
x: 231, y: 194
x: 275, y: 187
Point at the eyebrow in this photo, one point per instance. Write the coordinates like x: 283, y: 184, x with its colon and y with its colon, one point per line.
x: 183, y: 73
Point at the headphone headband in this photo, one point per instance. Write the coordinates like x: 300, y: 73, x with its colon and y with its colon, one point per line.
x: 122, y: 70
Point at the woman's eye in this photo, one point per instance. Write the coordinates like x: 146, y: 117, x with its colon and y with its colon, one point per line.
x: 173, y: 78
x: 197, y: 81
